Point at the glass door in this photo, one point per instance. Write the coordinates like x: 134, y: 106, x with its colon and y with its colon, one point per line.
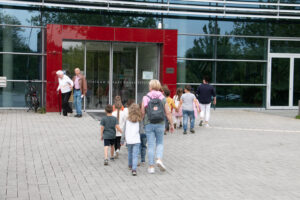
x: 124, y: 71
x: 280, y: 81
x: 296, y: 92
x: 97, y: 74
x: 284, y: 82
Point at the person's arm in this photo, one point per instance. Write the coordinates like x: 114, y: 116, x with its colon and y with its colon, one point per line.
x: 84, y: 84
x: 101, y: 131
x: 169, y: 116
x: 118, y: 128
x: 58, y: 88
x: 123, y: 135
x: 143, y: 110
x: 70, y: 82
x: 214, y: 95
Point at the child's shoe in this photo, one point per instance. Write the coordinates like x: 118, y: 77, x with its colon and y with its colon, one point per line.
x: 134, y: 173
x: 117, y: 153
x: 151, y: 170
x: 161, y: 166
x: 201, y: 123
x: 106, y: 162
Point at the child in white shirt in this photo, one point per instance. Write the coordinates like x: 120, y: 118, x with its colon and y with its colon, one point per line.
x: 132, y: 136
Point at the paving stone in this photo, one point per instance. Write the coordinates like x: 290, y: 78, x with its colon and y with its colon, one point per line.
x: 243, y: 155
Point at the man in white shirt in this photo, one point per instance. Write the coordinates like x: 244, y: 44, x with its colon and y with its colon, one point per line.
x: 65, y: 86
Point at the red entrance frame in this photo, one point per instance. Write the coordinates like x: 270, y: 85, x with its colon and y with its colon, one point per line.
x: 57, y: 33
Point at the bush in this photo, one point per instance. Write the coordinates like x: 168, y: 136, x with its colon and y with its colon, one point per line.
x: 42, y: 110
x: 298, y: 117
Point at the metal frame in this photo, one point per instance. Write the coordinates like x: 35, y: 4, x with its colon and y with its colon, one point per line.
x: 226, y: 84
x: 290, y: 56
x: 221, y: 8
x: 221, y: 60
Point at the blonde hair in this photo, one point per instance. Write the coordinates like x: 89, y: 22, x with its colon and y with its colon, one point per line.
x: 134, y: 113
x: 154, y: 85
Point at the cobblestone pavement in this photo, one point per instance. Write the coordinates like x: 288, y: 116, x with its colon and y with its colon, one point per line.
x: 243, y: 155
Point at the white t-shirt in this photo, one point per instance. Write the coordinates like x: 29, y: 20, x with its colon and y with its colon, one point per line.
x: 132, y: 132
x: 64, y: 84
x: 122, y: 119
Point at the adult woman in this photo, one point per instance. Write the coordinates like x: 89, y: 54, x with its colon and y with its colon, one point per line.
x: 65, y: 86
x: 154, y: 128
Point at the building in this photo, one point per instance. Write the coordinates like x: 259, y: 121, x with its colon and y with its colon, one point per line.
x: 250, y: 49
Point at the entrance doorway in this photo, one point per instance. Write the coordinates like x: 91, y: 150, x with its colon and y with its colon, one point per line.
x: 283, y: 74
x: 111, y: 69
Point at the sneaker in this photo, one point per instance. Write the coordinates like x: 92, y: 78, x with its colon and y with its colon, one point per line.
x: 134, y: 173
x: 161, y: 166
x: 192, y: 131
x: 112, y: 159
x: 184, y: 132
x: 201, y: 123
x: 106, y: 162
x: 78, y: 116
x: 206, y: 125
x: 151, y: 170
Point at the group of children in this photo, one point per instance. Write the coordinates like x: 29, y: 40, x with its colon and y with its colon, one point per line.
x: 124, y: 125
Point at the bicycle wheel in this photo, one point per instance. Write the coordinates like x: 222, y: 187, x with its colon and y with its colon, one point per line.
x: 35, y: 103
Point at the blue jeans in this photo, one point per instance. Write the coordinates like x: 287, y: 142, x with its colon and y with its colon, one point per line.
x: 133, y: 155
x: 143, y: 146
x: 155, y: 138
x: 77, y: 101
x: 188, y: 114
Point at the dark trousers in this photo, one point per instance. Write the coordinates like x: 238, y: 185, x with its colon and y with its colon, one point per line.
x: 65, y: 103
x: 118, y: 143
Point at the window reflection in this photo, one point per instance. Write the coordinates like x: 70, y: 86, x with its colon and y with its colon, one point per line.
x: 241, y: 72
x: 20, y: 67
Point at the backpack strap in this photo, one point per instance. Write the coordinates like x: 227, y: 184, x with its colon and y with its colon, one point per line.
x: 149, y: 97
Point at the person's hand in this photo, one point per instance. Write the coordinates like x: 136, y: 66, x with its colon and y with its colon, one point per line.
x: 57, y: 91
x: 82, y: 96
x: 215, y: 102
x: 71, y: 86
x: 172, y: 128
x: 101, y: 138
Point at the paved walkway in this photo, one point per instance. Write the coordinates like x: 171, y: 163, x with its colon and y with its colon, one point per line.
x: 243, y: 156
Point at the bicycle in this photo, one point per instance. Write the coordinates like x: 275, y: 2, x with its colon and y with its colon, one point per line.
x: 31, y: 100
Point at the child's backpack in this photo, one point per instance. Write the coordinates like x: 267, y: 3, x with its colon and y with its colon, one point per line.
x: 155, y: 111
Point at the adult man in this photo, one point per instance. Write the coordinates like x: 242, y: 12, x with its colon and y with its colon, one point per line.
x: 80, y: 89
x: 204, y: 93
x: 65, y: 86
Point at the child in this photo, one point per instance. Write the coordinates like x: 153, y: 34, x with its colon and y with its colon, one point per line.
x: 132, y: 136
x: 143, y: 138
x: 109, y: 124
x: 177, y: 114
x: 121, y: 116
x: 171, y: 104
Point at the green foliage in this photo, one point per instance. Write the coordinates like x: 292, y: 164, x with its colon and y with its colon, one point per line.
x: 298, y: 117
x: 42, y: 110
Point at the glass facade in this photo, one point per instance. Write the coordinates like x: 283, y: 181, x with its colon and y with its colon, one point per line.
x: 233, y: 52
